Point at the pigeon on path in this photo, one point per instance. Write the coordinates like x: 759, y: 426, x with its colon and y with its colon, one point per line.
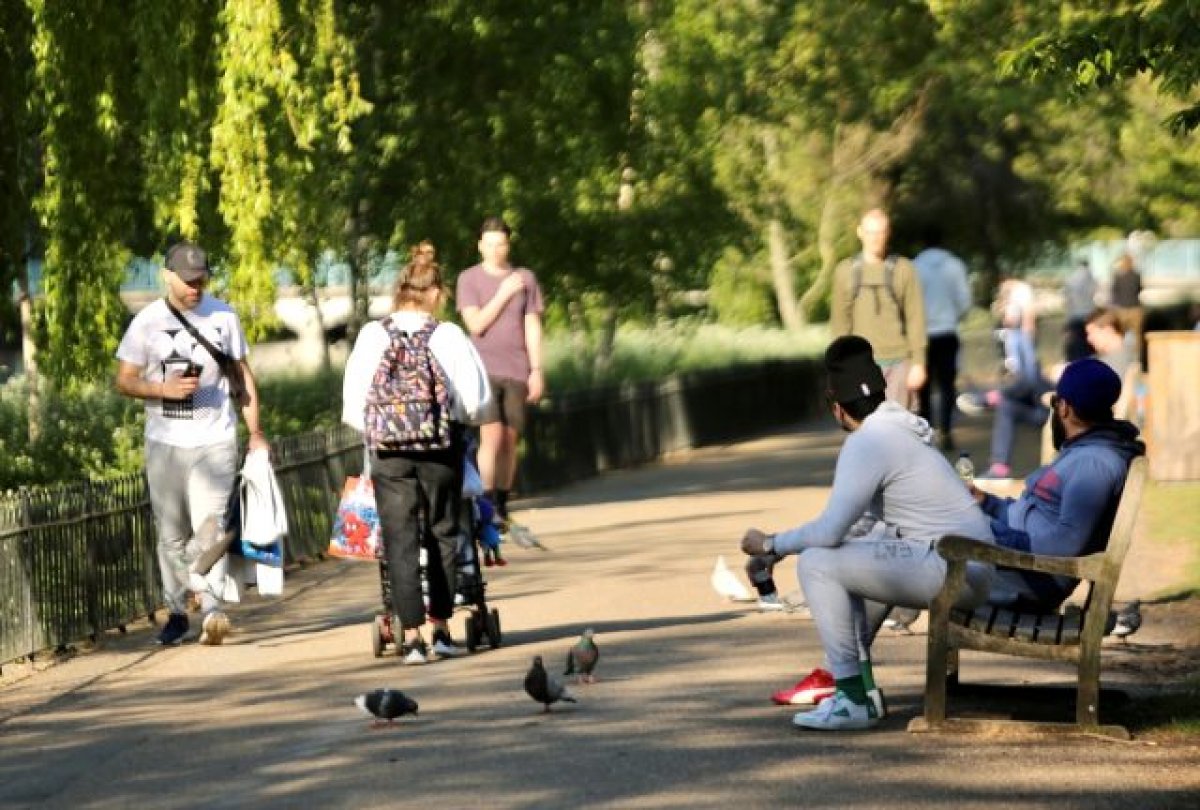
x: 582, y: 658
x: 386, y: 705
x: 523, y: 537
x: 727, y: 584
x: 543, y: 688
x: 1129, y: 619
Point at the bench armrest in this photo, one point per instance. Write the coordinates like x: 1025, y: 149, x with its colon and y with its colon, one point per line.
x: 958, y: 548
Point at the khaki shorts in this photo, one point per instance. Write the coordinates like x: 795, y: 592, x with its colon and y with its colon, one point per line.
x: 507, y: 405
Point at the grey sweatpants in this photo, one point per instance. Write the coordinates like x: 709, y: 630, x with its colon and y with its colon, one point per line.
x: 895, y: 374
x: 851, y: 587
x: 187, y: 485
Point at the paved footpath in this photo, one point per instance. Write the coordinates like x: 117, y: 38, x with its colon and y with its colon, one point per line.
x: 679, y: 718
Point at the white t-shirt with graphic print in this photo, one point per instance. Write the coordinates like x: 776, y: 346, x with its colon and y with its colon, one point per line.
x: 161, y: 346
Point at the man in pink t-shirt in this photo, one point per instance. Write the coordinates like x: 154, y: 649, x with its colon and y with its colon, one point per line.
x: 501, y: 306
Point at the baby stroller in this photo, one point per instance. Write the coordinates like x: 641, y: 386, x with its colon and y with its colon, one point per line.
x: 470, y: 589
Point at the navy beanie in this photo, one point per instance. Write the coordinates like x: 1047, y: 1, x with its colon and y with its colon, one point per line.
x: 1091, y: 387
x: 853, y: 372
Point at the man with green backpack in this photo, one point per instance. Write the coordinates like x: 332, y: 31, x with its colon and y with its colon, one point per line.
x: 877, y: 295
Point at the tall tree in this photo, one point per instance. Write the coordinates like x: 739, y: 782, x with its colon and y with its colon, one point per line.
x: 1097, y: 44
x: 18, y: 159
x: 89, y: 203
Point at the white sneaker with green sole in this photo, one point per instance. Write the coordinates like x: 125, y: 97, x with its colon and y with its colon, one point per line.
x: 838, y: 713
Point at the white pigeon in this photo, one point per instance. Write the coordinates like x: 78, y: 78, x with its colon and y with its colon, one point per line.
x: 727, y: 584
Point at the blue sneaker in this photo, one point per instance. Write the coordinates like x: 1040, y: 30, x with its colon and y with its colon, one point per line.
x: 173, y: 631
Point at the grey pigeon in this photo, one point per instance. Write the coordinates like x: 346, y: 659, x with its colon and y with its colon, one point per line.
x: 1129, y: 619
x: 543, y: 688
x: 523, y: 537
x: 386, y: 705
x: 582, y: 658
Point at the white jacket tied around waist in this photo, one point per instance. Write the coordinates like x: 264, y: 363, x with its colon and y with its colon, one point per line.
x: 450, y: 347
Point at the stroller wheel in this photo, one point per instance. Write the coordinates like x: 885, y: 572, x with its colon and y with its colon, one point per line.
x: 492, y: 621
x: 377, y: 632
x: 471, y: 632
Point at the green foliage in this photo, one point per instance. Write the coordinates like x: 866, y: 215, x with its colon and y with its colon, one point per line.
x: 641, y: 353
x: 631, y: 144
x: 1102, y: 44
x: 17, y: 136
x: 299, y: 403
x: 739, y: 290
x: 88, y: 203
x: 176, y: 86
x: 90, y: 433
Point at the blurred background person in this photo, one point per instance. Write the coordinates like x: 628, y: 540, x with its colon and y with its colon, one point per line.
x: 1079, y: 300
x: 1125, y: 297
x: 947, y: 299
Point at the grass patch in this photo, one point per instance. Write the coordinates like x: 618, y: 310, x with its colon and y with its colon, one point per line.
x: 640, y: 353
x: 1170, y: 716
x: 1172, y: 517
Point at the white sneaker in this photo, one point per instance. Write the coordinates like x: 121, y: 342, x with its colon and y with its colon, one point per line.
x: 414, y: 653
x: 838, y: 713
x: 771, y: 602
x: 216, y: 626
x: 878, y: 702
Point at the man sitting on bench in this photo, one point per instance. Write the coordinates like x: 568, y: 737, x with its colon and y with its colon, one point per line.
x: 1068, y: 506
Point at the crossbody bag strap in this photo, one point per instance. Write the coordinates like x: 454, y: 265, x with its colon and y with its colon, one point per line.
x: 228, y: 366
x: 223, y: 360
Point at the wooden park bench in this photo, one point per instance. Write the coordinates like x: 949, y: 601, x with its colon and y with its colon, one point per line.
x: 1070, y: 634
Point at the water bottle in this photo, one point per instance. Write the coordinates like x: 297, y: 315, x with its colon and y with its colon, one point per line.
x: 964, y: 468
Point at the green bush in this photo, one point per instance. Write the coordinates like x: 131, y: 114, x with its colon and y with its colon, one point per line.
x: 91, y: 432
x: 740, y: 291
x: 650, y: 353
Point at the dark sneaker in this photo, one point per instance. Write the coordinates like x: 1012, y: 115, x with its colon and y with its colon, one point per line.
x: 444, y: 645
x: 414, y: 653
x: 173, y: 631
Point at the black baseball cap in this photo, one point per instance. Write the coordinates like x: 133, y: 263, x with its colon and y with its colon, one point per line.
x: 187, y: 261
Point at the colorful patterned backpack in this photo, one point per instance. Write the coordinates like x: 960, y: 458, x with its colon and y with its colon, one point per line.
x: 408, y: 403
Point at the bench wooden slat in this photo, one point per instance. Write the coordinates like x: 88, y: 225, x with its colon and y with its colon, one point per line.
x: 1002, y: 624
x: 1026, y: 628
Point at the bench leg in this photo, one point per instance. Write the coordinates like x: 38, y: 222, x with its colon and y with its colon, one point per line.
x: 935, y: 674
x: 1087, y: 702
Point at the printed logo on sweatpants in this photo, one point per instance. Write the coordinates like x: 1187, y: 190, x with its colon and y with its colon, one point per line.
x: 893, y: 551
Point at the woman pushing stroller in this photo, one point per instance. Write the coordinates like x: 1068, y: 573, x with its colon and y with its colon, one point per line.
x: 412, y: 384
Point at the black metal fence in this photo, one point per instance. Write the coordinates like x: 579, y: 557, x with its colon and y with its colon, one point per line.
x: 79, y: 559
x: 581, y: 434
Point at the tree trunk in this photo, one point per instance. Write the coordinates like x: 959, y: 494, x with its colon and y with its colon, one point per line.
x: 29, y: 353
x: 782, y: 278
x: 358, y: 283
x: 827, y: 249
x: 608, y: 338
x: 315, y: 300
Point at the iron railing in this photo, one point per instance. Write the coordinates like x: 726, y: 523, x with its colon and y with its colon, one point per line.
x: 79, y: 559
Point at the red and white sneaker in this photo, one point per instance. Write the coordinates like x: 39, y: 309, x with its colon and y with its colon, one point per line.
x: 809, y: 692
